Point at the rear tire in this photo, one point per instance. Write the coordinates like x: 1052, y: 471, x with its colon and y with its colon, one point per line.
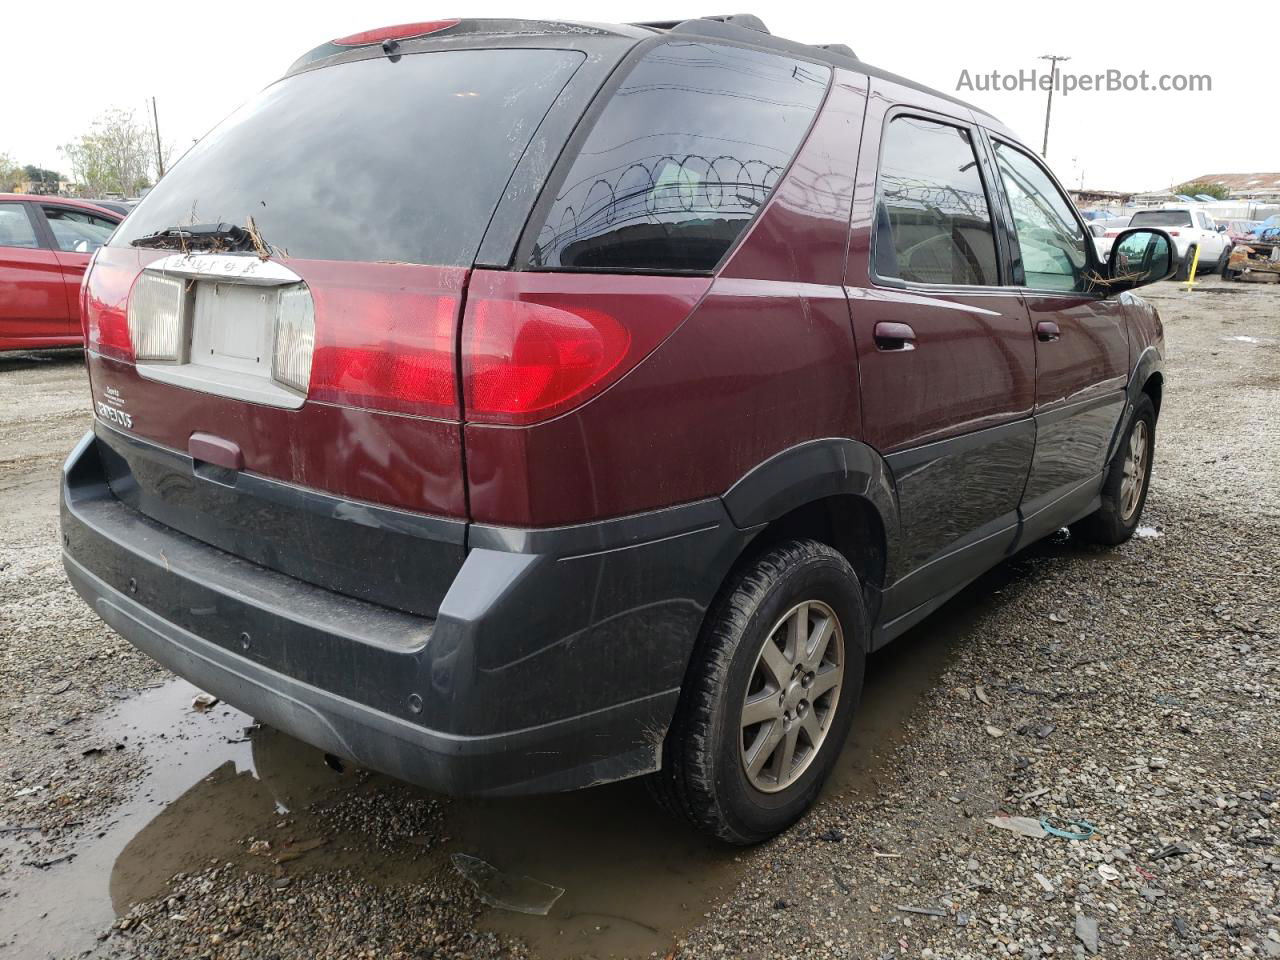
x: 1223, y: 268
x: 740, y: 761
x: 1124, y: 491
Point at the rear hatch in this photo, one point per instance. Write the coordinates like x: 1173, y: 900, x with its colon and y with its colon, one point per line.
x: 272, y: 332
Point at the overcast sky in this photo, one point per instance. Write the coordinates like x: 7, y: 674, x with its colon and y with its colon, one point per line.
x: 201, y: 61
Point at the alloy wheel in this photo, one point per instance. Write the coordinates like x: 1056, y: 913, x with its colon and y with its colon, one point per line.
x: 1135, y: 470
x: 792, y: 696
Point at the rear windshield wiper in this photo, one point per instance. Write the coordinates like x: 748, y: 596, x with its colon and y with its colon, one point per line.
x: 199, y: 236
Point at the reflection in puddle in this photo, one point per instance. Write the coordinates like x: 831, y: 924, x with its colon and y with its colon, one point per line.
x: 633, y: 879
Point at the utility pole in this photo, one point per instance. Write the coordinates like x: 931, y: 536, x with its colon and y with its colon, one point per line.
x: 1053, y: 77
x: 155, y: 117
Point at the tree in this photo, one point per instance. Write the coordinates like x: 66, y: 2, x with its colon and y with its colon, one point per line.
x: 1218, y: 191
x: 10, y: 173
x: 117, y: 155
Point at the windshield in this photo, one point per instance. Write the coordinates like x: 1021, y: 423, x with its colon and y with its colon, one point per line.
x: 1161, y: 218
x: 368, y: 160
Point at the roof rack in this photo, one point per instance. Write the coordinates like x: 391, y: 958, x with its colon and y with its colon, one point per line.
x: 838, y: 48
x: 748, y: 21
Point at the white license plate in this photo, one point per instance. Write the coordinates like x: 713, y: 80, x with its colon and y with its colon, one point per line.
x: 233, y: 326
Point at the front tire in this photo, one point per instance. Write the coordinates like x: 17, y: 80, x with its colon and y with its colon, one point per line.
x: 1124, y: 491
x: 770, y: 695
x: 1184, y: 268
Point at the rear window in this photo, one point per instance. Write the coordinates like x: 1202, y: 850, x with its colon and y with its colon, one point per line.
x: 681, y: 159
x: 1161, y: 218
x: 369, y: 160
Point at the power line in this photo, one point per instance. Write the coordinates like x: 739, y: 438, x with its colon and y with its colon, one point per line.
x: 1053, y: 76
x: 155, y: 117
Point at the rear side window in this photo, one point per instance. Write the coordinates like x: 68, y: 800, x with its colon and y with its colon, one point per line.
x: 680, y: 160
x: 78, y: 231
x: 368, y: 160
x: 933, y: 222
x: 15, y: 226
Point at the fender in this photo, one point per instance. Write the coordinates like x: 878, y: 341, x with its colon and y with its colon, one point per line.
x: 1149, y: 361
x: 815, y: 470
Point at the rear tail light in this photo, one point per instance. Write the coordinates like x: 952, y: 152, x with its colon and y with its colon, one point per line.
x: 526, y: 361
x: 295, y: 339
x: 156, y: 317
x: 1112, y: 233
x: 104, y: 308
x: 1173, y: 233
x: 391, y: 351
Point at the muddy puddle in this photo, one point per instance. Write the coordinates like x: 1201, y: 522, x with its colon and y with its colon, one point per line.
x: 633, y: 879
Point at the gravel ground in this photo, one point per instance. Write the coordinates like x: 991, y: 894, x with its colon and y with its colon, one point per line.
x: 59, y: 664
x: 1136, y: 689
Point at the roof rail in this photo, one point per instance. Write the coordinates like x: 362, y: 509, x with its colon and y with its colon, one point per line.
x: 838, y: 48
x: 748, y: 20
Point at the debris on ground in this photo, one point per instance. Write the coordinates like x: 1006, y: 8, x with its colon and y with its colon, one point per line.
x: 504, y: 890
x: 203, y: 701
x: 1086, y: 930
x: 1026, y: 826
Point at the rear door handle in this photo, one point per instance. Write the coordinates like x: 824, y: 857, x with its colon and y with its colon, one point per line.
x: 1047, y: 330
x: 894, y: 336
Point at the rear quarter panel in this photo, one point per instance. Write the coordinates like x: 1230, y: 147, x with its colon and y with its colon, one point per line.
x: 764, y: 361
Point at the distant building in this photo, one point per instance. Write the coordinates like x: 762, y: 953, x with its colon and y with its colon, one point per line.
x: 1100, y: 198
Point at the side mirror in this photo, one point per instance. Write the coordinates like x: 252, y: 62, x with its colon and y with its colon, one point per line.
x: 1222, y: 228
x: 1139, y: 257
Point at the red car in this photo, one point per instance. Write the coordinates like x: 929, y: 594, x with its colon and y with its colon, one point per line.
x: 45, y: 245
x: 534, y: 405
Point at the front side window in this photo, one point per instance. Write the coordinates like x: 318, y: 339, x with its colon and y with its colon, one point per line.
x: 933, y: 222
x: 1049, y: 235
x: 15, y: 226
x: 78, y: 231
x: 681, y: 159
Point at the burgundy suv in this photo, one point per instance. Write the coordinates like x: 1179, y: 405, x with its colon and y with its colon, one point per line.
x: 517, y: 406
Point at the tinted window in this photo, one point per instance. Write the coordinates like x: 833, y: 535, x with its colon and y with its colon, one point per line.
x: 15, y: 226
x: 370, y: 160
x: 933, y: 223
x: 1049, y: 235
x: 681, y: 159
x: 78, y: 231
x: 1161, y: 218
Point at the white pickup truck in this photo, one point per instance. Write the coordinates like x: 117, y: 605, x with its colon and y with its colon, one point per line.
x: 1191, y: 229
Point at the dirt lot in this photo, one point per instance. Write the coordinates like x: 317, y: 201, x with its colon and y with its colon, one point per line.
x: 1137, y: 689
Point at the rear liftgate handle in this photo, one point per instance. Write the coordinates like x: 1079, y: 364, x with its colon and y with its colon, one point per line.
x: 894, y: 336
x: 215, y: 459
